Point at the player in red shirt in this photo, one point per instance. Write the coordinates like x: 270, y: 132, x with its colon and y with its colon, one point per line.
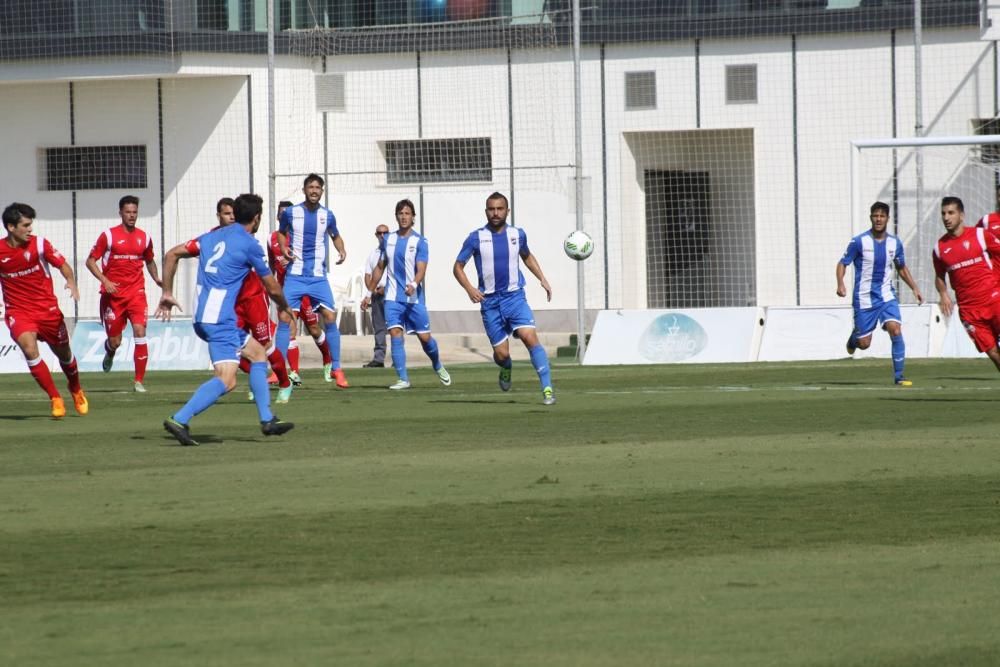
x: 31, y: 310
x: 991, y: 221
x: 276, y: 260
x: 252, y: 305
x: 967, y: 255
x: 122, y: 251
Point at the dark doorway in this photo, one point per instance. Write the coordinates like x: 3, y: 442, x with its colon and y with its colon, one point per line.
x: 678, y: 237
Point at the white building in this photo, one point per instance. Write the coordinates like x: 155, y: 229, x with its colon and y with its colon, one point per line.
x: 716, y: 136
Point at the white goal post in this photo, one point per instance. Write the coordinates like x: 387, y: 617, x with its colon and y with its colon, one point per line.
x: 912, y: 175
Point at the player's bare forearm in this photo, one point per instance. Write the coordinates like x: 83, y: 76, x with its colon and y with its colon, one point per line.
x: 907, y: 277
x: 945, y: 303
x: 532, y: 264
x: 475, y: 296
x: 109, y: 286
x: 153, y: 273
x: 841, y: 289
x: 170, y: 260
x: 283, y: 244
x: 338, y: 243
x: 276, y: 293
x: 67, y: 271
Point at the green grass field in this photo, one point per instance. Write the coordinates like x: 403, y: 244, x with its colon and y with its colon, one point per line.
x: 766, y: 514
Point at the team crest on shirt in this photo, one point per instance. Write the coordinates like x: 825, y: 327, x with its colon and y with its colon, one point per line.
x: 965, y: 244
x: 27, y: 255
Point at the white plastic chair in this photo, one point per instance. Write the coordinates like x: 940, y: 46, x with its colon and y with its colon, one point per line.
x: 349, y: 297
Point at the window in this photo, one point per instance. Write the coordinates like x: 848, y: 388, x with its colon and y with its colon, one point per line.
x: 438, y: 160
x: 330, y: 92
x: 741, y: 84
x: 640, y: 90
x: 94, y: 168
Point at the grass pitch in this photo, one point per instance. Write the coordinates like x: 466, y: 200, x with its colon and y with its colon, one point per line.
x: 765, y: 514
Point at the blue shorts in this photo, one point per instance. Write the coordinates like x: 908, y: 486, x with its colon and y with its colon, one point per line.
x: 410, y: 317
x: 224, y: 341
x: 317, y: 289
x: 867, y: 319
x: 505, y: 312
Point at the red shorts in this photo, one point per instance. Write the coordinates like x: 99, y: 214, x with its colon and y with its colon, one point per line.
x: 49, y: 327
x: 117, y: 311
x: 306, y: 313
x: 254, y: 317
x: 982, y: 323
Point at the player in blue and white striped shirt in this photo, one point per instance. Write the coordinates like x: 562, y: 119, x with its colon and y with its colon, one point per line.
x: 875, y: 254
x: 404, y: 259
x: 227, y: 254
x: 498, y: 251
x: 302, y: 234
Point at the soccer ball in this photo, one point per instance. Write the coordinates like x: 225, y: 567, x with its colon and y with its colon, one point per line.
x: 578, y: 245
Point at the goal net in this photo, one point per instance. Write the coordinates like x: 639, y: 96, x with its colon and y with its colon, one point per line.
x: 912, y: 176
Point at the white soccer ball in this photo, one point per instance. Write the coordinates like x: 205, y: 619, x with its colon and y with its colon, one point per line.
x: 578, y: 245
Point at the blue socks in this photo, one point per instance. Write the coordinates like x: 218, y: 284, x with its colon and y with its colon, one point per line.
x: 333, y: 342
x: 399, y: 357
x: 204, y: 397
x: 431, y: 349
x: 898, y: 355
x: 283, y: 338
x: 258, y: 385
x: 540, y: 361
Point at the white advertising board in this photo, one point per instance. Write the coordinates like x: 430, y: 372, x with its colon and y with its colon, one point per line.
x: 172, y: 346
x: 794, y: 334
x: 707, y: 335
x: 11, y: 359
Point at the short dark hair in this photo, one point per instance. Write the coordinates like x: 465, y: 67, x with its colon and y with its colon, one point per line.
x: 246, y: 207
x: 225, y: 201
x: 284, y: 203
x: 127, y: 199
x: 313, y: 177
x: 403, y: 203
x: 948, y: 201
x: 498, y: 195
x: 879, y: 206
x: 13, y: 214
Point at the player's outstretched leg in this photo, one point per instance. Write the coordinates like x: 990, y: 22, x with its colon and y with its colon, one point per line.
x: 203, y: 398
x: 398, y: 351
